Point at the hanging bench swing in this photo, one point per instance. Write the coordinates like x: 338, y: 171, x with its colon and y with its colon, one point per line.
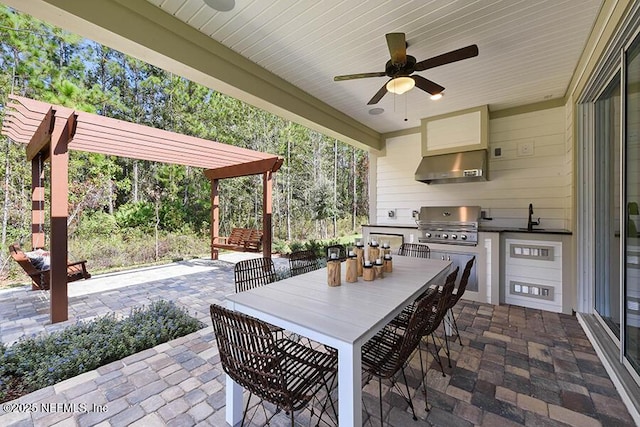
x: 40, y: 272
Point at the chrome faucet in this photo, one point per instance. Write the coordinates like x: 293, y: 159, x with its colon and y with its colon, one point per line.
x: 531, y: 223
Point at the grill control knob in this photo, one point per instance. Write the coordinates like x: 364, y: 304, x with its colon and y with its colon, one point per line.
x: 463, y: 237
x: 445, y: 236
x: 454, y: 236
x: 427, y: 234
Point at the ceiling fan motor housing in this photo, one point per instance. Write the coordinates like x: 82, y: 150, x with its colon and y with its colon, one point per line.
x: 401, y: 69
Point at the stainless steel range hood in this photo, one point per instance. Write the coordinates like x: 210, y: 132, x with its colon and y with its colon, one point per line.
x: 466, y: 166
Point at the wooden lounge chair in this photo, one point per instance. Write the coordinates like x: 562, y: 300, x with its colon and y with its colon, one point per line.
x: 41, y: 278
x: 242, y: 240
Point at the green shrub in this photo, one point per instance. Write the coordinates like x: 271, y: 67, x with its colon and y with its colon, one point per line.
x: 43, y: 360
x: 296, y: 246
x: 97, y: 224
x: 280, y: 246
x: 317, y: 247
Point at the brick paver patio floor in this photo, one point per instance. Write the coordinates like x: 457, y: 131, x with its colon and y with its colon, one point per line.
x: 515, y: 366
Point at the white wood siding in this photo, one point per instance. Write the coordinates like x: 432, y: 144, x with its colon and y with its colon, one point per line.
x: 543, y: 178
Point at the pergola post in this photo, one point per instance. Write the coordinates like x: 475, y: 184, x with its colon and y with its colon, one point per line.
x: 59, y: 157
x: 215, y: 217
x: 267, y: 210
x: 37, y: 202
x: 37, y: 205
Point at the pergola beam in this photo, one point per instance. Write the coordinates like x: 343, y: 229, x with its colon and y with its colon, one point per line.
x: 42, y: 135
x: 245, y: 169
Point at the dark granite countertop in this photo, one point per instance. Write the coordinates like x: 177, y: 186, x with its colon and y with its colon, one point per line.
x: 485, y: 229
x: 536, y: 230
x: 414, y: 226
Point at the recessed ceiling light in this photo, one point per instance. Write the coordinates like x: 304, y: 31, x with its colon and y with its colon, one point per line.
x: 376, y: 111
x: 221, y: 5
x: 436, y: 96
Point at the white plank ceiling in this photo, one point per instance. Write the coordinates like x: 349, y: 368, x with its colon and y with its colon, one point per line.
x: 528, y: 48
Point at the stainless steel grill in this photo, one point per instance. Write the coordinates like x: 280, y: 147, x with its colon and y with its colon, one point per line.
x: 453, y: 225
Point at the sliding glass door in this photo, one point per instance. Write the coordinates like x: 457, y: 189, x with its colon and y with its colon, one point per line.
x: 616, y: 196
x: 632, y: 199
x: 607, y: 197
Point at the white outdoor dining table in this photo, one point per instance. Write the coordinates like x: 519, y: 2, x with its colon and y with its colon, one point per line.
x: 343, y: 317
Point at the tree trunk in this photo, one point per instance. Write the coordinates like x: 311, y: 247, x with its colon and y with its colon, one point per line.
x: 135, y: 182
x: 7, y: 182
x: 111, y: 199
x: 185, y: 200
x: 288, y: 207
x: 157, y: 229
x: 335, y: 188
x: 354, y: 179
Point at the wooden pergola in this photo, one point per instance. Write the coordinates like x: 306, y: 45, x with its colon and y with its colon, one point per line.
x: 50, y: 131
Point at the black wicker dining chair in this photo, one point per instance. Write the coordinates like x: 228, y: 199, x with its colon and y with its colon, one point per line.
x: 416, y: 250
x: 287, y: 374
x: 457, y: 294
x: 390, y: 349
x: 442, y: 295
x: 251, y: 273
x: 301, y: 262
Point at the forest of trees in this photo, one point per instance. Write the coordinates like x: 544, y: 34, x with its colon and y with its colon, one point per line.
x: 320, y: 192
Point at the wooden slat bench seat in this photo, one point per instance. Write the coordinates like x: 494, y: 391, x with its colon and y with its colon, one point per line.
x: 41, y: 278
x: 241, y: 240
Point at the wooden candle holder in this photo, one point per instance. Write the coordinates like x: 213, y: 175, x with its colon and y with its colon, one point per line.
x: 352, y: 269
x: 379, y: 271
x: 368, y: 273
x: 374, y: 253
x: 333, y: 273
x: 360, y: 259
x: 388, y: 265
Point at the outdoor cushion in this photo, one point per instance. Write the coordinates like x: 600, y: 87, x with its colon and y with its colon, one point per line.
x: 40, y: 259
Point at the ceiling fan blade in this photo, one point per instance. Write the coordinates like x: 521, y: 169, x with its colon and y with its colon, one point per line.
x: 446, y: 58
x: 378, y: 96
x: 427, y: 85
x: 397, y: 48
x: 358, y: 76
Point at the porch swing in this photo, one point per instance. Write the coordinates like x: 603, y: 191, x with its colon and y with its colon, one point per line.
x: 37, y: 263
x: 40, y: 273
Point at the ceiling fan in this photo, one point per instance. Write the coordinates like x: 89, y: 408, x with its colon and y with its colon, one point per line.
x: 401, y: 67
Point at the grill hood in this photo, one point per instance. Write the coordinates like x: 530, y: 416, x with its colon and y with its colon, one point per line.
x: 466, y: 166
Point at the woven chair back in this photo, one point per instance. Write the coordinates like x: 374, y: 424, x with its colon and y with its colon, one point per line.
x: 252, y: 273
x: 415, y: 250
x: 247, y: 354
x: 417, y: 324
x: 462, y: 286
x: 443, y: 297
x: 301, y: 262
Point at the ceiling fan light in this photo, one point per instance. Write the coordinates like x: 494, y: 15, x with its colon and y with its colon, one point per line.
x: 400, y: 85
x: 437, y: 96
x: 221, y: 5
